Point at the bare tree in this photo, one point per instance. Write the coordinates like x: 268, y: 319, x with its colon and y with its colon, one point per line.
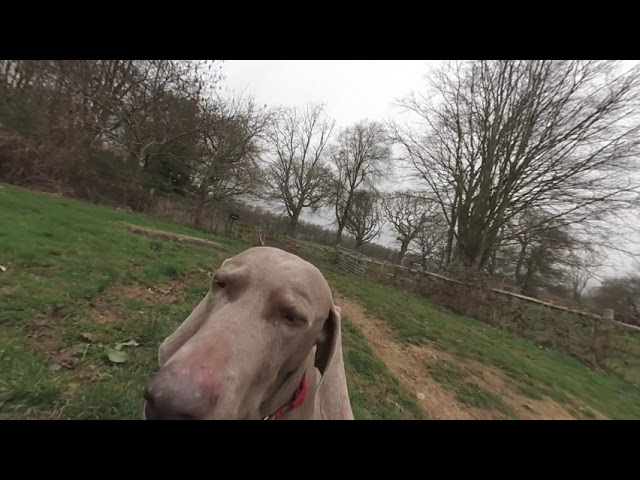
x: 140, y: 123
x: 581, y: 269
x: 297, y: 175
x: 364, y: 221
x: 408, y: 212
x: 621, y: 294
x: 430, y: 244
x: 501, y: 137
x: 226, y: 164
x: 128, y: 104
x: 544, y: 248
x: 134, y: 109
x: 360, y: 157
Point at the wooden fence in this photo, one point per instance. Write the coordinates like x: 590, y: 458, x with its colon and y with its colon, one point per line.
x: 362, y: 265
x: 392, y: 270
x: 326, y: 253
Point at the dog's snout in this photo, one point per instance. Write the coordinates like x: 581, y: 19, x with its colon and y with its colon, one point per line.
x: 174, y: 396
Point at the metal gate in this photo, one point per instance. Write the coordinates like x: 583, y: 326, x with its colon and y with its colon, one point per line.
x: 351, y: 261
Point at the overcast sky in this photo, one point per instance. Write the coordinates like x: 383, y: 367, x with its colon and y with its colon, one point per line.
x: 351, y: 89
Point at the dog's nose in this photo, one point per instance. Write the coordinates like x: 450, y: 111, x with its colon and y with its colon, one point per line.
x: 170, y: 396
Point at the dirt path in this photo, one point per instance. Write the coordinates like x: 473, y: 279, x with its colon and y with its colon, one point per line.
x: 173, y: 237
x: 410, y: 365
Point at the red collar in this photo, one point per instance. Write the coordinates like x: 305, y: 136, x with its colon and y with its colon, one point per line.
x: 297, y: 400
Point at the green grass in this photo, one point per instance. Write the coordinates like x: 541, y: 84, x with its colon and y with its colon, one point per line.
x: 69, y: 262
x: 537, y: 371
x: 59, y: 251
x: 374, y: 392
x: 467, y: 392
x: 66, y: 260
x: 623, y: 359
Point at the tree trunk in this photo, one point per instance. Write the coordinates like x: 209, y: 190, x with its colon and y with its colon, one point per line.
x: 402, y: 252
x: 521, y: 257
x: 339, y: 234
x: 528, y: 286
x: 449, y: 247
x: 342, y: 221
x: 199, y: 215
x: 202, y: 201
x: 293, y: 224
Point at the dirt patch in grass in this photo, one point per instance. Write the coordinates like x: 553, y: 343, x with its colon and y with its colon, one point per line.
x: 55, y: 315
x: 44, y: 342
x: 462, y: 390
x: 174, y: 237
x: 525, y: 406
x: 106, y: 308
x: 7, y: 289
x: 92, y: 374
x: 71, y: 390
x: 406, y: 366
x: 103, y: 311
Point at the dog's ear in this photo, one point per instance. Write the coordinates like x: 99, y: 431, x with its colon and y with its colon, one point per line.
x: 184, y: 332
x: 328, y: 341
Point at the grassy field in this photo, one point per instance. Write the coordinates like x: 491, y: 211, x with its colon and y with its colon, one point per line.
x: 79, y: 286
x: 546, y: 327
x: 536, y: 371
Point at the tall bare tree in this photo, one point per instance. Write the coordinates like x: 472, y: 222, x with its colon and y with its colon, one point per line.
x: 230, y: 140
x: 297, y: 174
x: 430, y: 244
x: 500, y: 137
x: 364, y: 220
x: 581, y: 269
x: 408, y: 212
x: 360, y: 156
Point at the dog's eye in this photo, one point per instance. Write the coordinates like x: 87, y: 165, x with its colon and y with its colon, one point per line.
x: 218, y: 282
x: 292, y: 316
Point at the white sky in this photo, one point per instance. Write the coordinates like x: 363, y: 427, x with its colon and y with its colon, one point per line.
x: 351, y: 89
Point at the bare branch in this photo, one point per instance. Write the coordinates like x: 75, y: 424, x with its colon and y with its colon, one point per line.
x: 296, y: 173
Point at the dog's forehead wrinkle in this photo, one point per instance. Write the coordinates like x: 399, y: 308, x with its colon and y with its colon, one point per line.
x: 233, y: 270
x: 268, y: 268
x: 299, y: 292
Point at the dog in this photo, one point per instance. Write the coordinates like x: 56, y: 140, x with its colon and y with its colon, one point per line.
x: 265, y: 343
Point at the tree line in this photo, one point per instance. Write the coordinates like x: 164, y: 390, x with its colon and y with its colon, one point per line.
x: 518, y: 169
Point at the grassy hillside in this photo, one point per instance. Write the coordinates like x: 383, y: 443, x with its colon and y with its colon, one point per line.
x: 78, y: 284
x: 535, y: 371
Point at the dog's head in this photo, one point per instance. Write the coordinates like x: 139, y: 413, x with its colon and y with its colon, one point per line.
x: 243, y: 350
